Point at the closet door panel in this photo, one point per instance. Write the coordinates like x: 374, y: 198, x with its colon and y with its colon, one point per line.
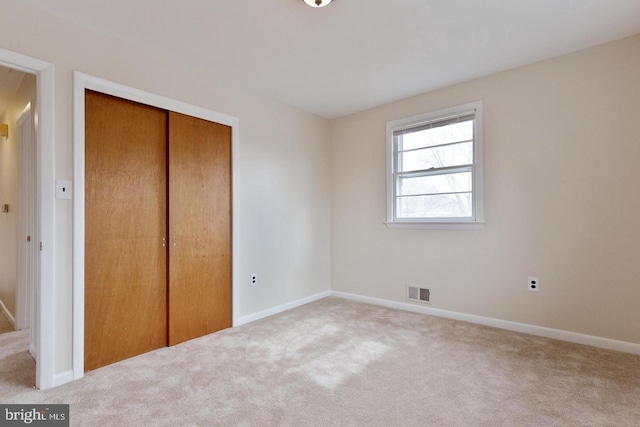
x: 199, y: 227
x: 125, y: 222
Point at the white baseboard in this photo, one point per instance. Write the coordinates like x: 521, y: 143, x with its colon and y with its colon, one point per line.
x: 279, y: 309
x: 5, y: 311
x: 62, y: 378
x: 574, y: 337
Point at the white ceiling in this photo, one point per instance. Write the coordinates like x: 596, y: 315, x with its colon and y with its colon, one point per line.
x: 354, y: 54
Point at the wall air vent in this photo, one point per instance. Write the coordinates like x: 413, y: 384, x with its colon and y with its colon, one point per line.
x: 417, y: 294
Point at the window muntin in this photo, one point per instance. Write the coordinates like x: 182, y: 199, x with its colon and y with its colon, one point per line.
x: 435, y: 167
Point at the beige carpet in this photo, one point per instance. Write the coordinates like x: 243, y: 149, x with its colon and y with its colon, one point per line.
x: 342, y: 363
x: 17, y: 368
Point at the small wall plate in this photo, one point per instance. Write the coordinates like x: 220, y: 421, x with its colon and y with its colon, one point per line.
x: 63, y: 189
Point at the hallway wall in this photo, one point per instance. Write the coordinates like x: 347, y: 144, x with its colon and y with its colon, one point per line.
x: 9, y: 152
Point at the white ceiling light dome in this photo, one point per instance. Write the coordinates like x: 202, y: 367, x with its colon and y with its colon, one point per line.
x: 317, y: 3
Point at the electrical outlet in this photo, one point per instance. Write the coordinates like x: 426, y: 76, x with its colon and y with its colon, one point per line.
x: 254, y: 279
x: 533, y: 284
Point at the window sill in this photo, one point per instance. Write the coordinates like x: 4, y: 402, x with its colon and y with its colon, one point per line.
x: 477, y: 225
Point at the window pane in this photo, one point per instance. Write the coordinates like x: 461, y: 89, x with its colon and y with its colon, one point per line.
x: 434, y: 184
x: 438, y: 157
x: 454, y: 132
x: 439, y: 206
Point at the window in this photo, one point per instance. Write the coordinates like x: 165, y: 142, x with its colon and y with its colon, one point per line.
x: 434, y: 163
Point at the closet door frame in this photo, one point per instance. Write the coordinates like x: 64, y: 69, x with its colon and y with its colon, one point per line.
x: 82, y: 82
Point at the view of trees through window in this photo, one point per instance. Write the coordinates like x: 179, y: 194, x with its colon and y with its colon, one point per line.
x: 434, y: 170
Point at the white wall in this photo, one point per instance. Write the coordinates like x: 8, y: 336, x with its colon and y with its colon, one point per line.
x: 9, y: 156
x: 284, y: 182
x: 562, y: 179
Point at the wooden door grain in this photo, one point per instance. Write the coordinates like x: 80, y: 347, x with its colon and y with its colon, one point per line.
x: 125, y: 222
x: 199, y: 227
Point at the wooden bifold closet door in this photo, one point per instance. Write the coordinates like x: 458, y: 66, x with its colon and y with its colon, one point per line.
x: 157, y: 228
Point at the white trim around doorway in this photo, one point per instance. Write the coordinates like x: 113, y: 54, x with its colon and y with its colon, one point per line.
x: 81, y: 82
x: 27, y: 250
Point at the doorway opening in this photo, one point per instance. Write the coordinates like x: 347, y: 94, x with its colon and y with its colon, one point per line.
x: 18, y: 235
x: 27, y: 168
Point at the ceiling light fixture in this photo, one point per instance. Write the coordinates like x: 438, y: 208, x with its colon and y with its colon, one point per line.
x: 317, y: 3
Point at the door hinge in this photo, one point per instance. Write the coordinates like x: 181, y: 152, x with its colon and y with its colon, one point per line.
x: 40, y: 246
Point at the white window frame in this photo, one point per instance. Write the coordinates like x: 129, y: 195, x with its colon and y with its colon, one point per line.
x: 476, y: 221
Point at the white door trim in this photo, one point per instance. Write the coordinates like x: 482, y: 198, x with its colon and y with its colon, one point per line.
x: 44, y: 329
x: 81, y: 82
x: 26, y: 221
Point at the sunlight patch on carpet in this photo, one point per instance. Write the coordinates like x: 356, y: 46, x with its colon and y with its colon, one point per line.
x: 351, y: 358
x: 325, y: 352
